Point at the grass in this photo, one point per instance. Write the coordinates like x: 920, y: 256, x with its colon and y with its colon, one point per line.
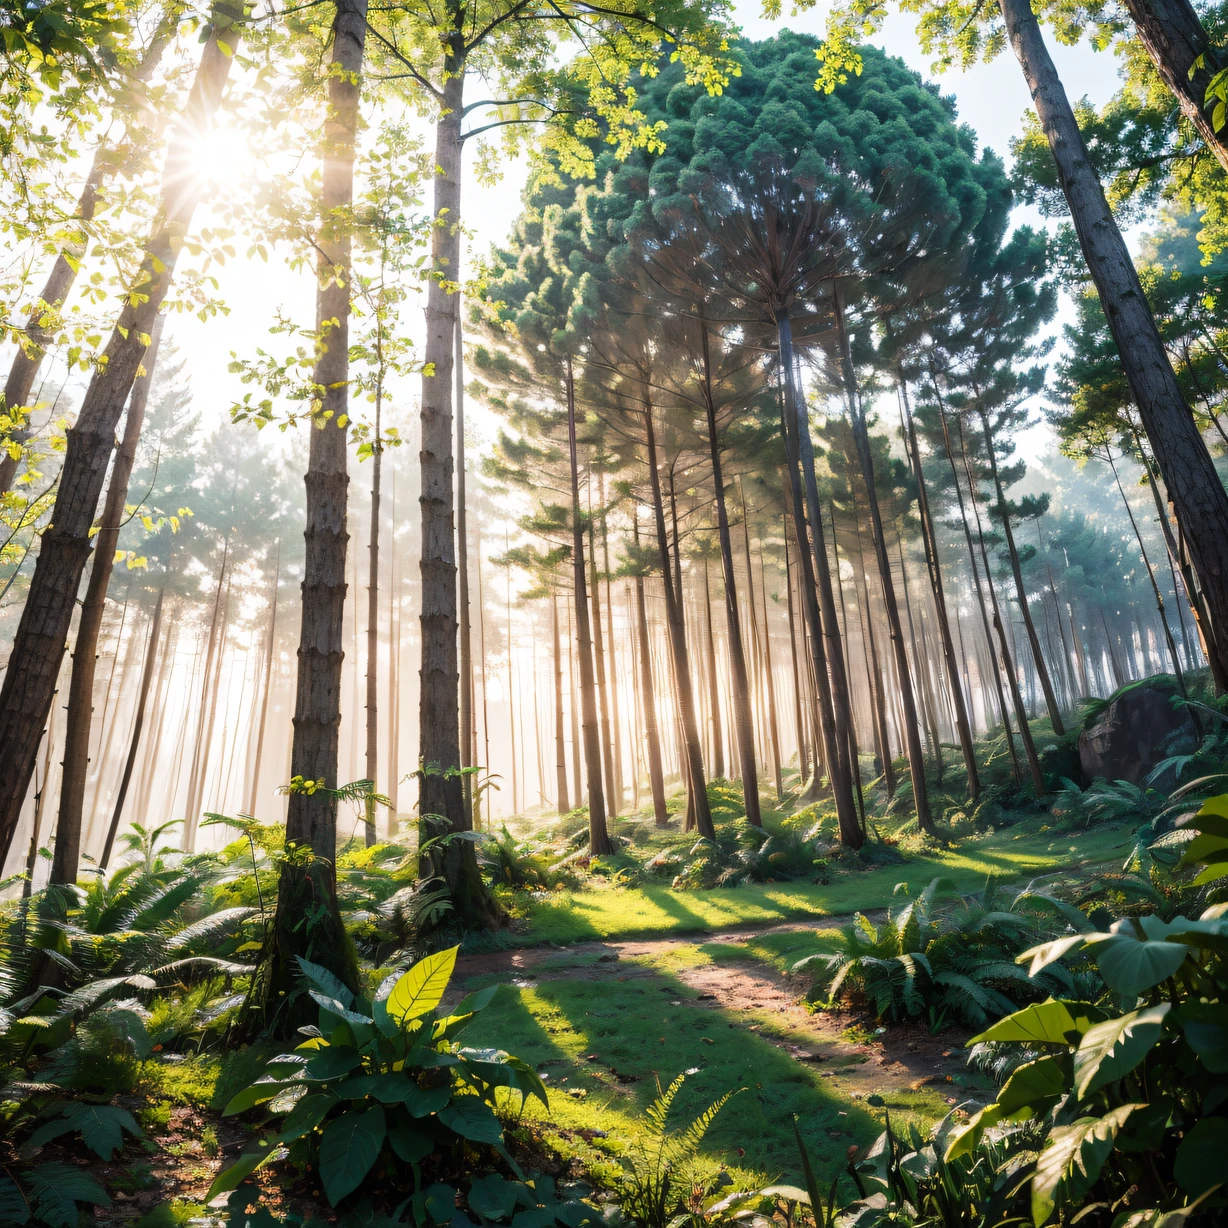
x: 657, y: 911
x: 602, y: 1042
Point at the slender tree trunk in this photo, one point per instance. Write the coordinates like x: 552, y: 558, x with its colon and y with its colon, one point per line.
x: 927, y: 704
x: 834, y: 706
x: 1194, y: 486
x: 637, y: 704
x: 560, y: 740
x: 270, y: 661
x: 598, y: 836
x: 41, y: 794
x: 138, y: 724
x: 38, y: 646
x: 616, y: 737
x: 613, y: 802
x: 1042, y: 672
x: 198, y: 748
x: 153, y: 746
x: 65, y: 866
x: 578, y: 749
x: 372, y: 697
x: 1008, y: 668
x: 467, y: 740
x: 803, y: 761
x: 874, y: 671
x: 206, y: 734
x: 511, y: 696
x: 39, y: 330
x: 743, y: 718
x: 714, y: 704
x: 694, y: 767
x: 307, y: 917
x: 929, y: 539
x: 912, y: 730
x: 773, y: 726
x: 652, y: 737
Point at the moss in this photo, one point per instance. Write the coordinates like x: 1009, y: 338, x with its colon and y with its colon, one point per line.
x: 176, y: 1214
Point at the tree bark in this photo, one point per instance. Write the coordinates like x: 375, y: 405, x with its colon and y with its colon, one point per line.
x: 598, y: 836
x: 38, y: 646
x: 138, y: 724
x: 372, y: 746
x: 563, y: 802
x: 693, y: 768
x: 308, y: 922
x: 929, y: 539
x: 616, y: 737
x: 612, y: 801
x: 467, y: 742
x: 66, y: 863
x: 1198, y: 495
x: 834, y: 707
x: 652, y: 737
x: 270, y: 659
x: 799, y: 716
x: 714, y: 694
x: 912, y: 728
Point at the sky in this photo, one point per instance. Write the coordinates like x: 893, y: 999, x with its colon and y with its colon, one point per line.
x: 992, y: 98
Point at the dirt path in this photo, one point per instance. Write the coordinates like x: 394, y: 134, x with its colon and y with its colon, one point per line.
x: 753, y: 995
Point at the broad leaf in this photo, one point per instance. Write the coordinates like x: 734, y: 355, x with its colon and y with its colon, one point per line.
x: 101, y: 1127
x: 306, y: 1115
x: 333, y: 1007
x: 1069, y: 1166
x: 421, y: 989
x: 325, y: 982
x: 1047, y: 1023
x: 1200, y: 1158
x: 1205, y: 1027
x: 256, y: 1153
x: 1049, y: 952
x: 1133, y: 963
x: 330, y: 1063
x: 410, y: 1144
x: 348, y: 1149
x: 262, y: 1090
x: 472, y: 1118
x: 1110, y: 1050
x: 492, y: 1197
x: 1029, y: 1090
x: 56, y: 1189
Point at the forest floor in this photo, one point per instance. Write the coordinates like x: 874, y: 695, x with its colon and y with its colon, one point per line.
x: 654, y: 983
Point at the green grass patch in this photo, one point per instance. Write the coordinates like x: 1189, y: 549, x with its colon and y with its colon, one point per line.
x: 603, y: 1042
x: 1017, y: 852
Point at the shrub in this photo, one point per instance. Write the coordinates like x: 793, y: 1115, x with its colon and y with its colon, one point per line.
x: 380, y: 1077
x: 940, y: 956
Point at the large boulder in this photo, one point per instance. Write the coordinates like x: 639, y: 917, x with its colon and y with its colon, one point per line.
x: 1138, y: 727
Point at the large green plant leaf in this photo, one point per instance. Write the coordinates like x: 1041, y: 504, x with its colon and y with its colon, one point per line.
x: 421, y: 989
x: 1200, y: 1158
x: 1031, y: 1089
x: 1040, y: 957
x: 307, y: 1114
x: 256, y: 1153
x: 1132, y: 962
x: 410, y: 1144
x: 325, y: 982
x: 1069, y: 1166
x: 492, y: 1197
x: 472, y: 1118
x: 1051, y: 1022
x: 1205, y: 1026
x: 56, y: 1189
x: 1110, y: 1050
x: 330, y: 1063
x: 101, y: 1127
x: 348, y: 1149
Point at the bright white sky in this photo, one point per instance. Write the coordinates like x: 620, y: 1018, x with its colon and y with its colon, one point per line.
x: 992, y: 98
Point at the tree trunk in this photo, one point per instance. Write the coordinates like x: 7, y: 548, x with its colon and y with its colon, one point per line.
x: 270, y: 660
x: 65, y: 866
x: 874, y: 672
x: 308, y: 922
x: 613, y: 802
x: 693, y: 768
x: 929, y: 539
x: 138, y: 724
x: 714, y: 693
x: 38, y: 334
x: 616, y: 737
x: 799, y: 716
x: 560, y: 739
x: 773, y: 726
x: 1042, y: 672
x: 198, y: 743
x: 1198, y: 495
x: 912, y: 729
x: 743, y: 718
x: 652, y: 737
x: 834, y: 707
x: 38, y: 646
x: 372, y: 746
x: 598, y: 836
x: 1008, y: 668
x: 511, y: 695
x: 927, y: 705
x: 467, y: 740
x: 41, y: 795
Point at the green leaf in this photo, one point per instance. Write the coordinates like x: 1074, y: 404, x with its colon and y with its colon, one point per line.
x: 307, y: 1114
x: 1047, y: 1023
x: 409, y: 1144
x: 1049, y: 952
x: 1030, y: 1090
x: 256, y: 1093
x: 1110, y: 1050
x: 1068, y: 1167
x: 423, y: 1101
x: 333, y: 1007
x: 492, y: 1197
x: 101, y: 1127
x: 1131, y: 964
x: 1205, y: 1027
x: 330, y: 1063
x: 325, y: 982
x: 54, y: 1190
x: 348, y: 1149
x: 1200, y: 1158
x: 421, y: 989
x: 13, y: 1206
x: 256, y: 1153
x: 472, y: 1118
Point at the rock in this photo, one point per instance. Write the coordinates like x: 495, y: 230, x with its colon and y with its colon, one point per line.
x: 1138, y: 728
